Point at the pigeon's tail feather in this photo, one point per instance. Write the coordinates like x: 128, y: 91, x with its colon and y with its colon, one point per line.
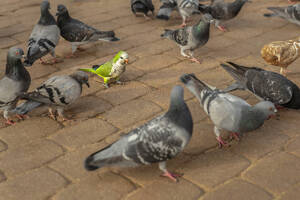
x: 165, y: 11
x: 276, y: 11
x: 270, y: 15
x: 167, y: 33
x: 238, y: 73
x: 26, y: 107
x: 203, y: 8
x: 106, y: 36
x: 104, y: 157
x: 139, y: 8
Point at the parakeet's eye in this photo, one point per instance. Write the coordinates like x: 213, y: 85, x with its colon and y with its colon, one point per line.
x: 121, y: 57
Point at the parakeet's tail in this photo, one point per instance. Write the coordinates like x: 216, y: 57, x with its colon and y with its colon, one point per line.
x: 26, y: 107
x: 106, y: 36
x: 167, y: 33
x: 92, y: 70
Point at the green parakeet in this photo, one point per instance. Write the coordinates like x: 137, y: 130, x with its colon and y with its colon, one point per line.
x: 112, y: 69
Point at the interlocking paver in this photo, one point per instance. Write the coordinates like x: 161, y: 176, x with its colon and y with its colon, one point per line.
x: 3, y: 146
x: 34, y: 185
x: 293, y: 146
x: 277, y: 172
x: 291, y: 194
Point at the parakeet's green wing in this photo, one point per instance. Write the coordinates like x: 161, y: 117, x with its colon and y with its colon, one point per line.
x: 105, y: 69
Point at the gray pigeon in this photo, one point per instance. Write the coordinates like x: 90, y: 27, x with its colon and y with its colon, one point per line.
x: 222, y: 11
x: 265, y: 85
x: 166, y: 9
x: 142, y: 6
x: 191, y: 37
x: 290, y: 13
x: 228, y: 112
x: 16, y: 80
x: 159, y: 140
x: 44, y: 37
x: 77, y: 32
x: 57, y: 92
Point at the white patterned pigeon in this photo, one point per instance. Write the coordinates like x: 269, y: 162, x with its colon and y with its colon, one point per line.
x: 159, y: 140
x: 44, y: 37
x: 290, y: 13
x: 15, y: 81
x: 228, y: 112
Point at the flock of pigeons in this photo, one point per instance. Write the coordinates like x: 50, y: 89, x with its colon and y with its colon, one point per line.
x: 163, y: 137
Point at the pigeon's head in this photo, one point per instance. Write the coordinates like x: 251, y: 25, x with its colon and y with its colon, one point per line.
x: 267, y: 108
x: 15, y: 53
x: 192, y: 83
x: 45, y: 5
x: 61, y: 9
x: 207, y: 18
x: 121, y: 58
x: 81, y: 77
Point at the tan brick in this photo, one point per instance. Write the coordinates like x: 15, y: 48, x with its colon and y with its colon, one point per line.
x: 291, y: 194
x: 39, y: 70
x: 86, y: 132
x: 13, y: 29
x: 131, y: 112
x: 104, y: 186
x: 88, y: 106
x: 197, y: 111
x: 119, y: 94
x: 293, y: 146
x: 237, y: 190
x: 35, y: 185
x: 7, y: 42
x: 203, y: 138
x: 276, y: 172
x: 153, y: 48
x: 29, y: 156
x: 28, y: 131
x: 214, y: 167
x: 3, y: 146
x: 2, y: 177
x: 164, y: 189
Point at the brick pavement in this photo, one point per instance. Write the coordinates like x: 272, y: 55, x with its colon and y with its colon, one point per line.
x: 43, y: 159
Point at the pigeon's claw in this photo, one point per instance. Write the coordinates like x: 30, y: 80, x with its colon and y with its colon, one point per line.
x: 9, y: 122
x: 221, y: 142
x: 171, y: 176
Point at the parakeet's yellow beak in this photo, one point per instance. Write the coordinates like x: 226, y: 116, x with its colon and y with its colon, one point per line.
x: 126, y: 61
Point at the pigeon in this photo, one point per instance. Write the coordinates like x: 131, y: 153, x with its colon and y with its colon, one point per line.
x: 281, y: 53
x: 191, y: 37
x: 142, y: 6
x: 293, y: 1
x: 228, y: 112
x: 111, y: 70
x: 158, y: 140
x: 166, y: 9
x: 77, y: 32
x: 44, y: 37
x: 265, y: 85
x: 222, y: 11
x: 57, y: 92
x: 290, y: 13
x: 15, y: 81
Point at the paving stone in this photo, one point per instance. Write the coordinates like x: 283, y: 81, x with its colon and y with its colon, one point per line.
x: 88, y: 106
x: 34, y: 185
x: 197, y: 111
x: 105, y: 186
x: 38, y: 70
x: 164, y: 189
x: 27, y: 131
x: 277, y: 172
x: 3, y: 146
x: 7, y: 42
x: 13, y: 29
x: 236, y: 190
x: 214, y: 167
x: 86, y: 132
x: 2, y: 177
x: 122, y: 93
x: 29, y: 156
x: 291, y: 194
x: 71, y: 163
x: 154, y: 48
x: 293, y: 146
x: 131, y: 112
x: 203, y: 138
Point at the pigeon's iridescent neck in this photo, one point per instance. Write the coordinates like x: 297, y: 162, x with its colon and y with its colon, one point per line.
x: 46, y: 18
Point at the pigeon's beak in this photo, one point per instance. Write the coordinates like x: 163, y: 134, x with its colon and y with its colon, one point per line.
x: 126, y: 61
x: 87, y: 84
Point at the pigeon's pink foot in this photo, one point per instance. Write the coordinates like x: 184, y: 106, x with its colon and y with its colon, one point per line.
x: 236, y: 136
x: 22, y: 117
x: 278, y: 107
x: 195, y: 60
x: 222, y: 28
x: 70, y: 56
x: 182, y: 25
x: 9, y: 122
x: 221, y: 142
x: 42, y: 61
x: 172, y: 176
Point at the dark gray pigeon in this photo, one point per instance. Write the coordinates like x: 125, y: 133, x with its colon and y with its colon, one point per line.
x: 166, y: 9
x: 44, y: 37
x: 142, y: 6
x: 16, y: 80
x: 57, y: 92
x: 222, y: 11
x: 266, y: 85
x: 191, y: 37
x: 290, y: 13
x: 79, y: 33
x: 158, y: 140
x: 228, y: 112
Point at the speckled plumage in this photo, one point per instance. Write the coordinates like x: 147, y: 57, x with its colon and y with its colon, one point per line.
x: 290, y: 13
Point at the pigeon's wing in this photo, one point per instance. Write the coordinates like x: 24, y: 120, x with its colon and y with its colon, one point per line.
x: 181, y: 36
x: 156, y: 141
x: 77, y: 31
x: 218, y: 9
x: 58, y: 90
x: 270, y: 86
x: 9, y: 90
x: 166, y: 9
